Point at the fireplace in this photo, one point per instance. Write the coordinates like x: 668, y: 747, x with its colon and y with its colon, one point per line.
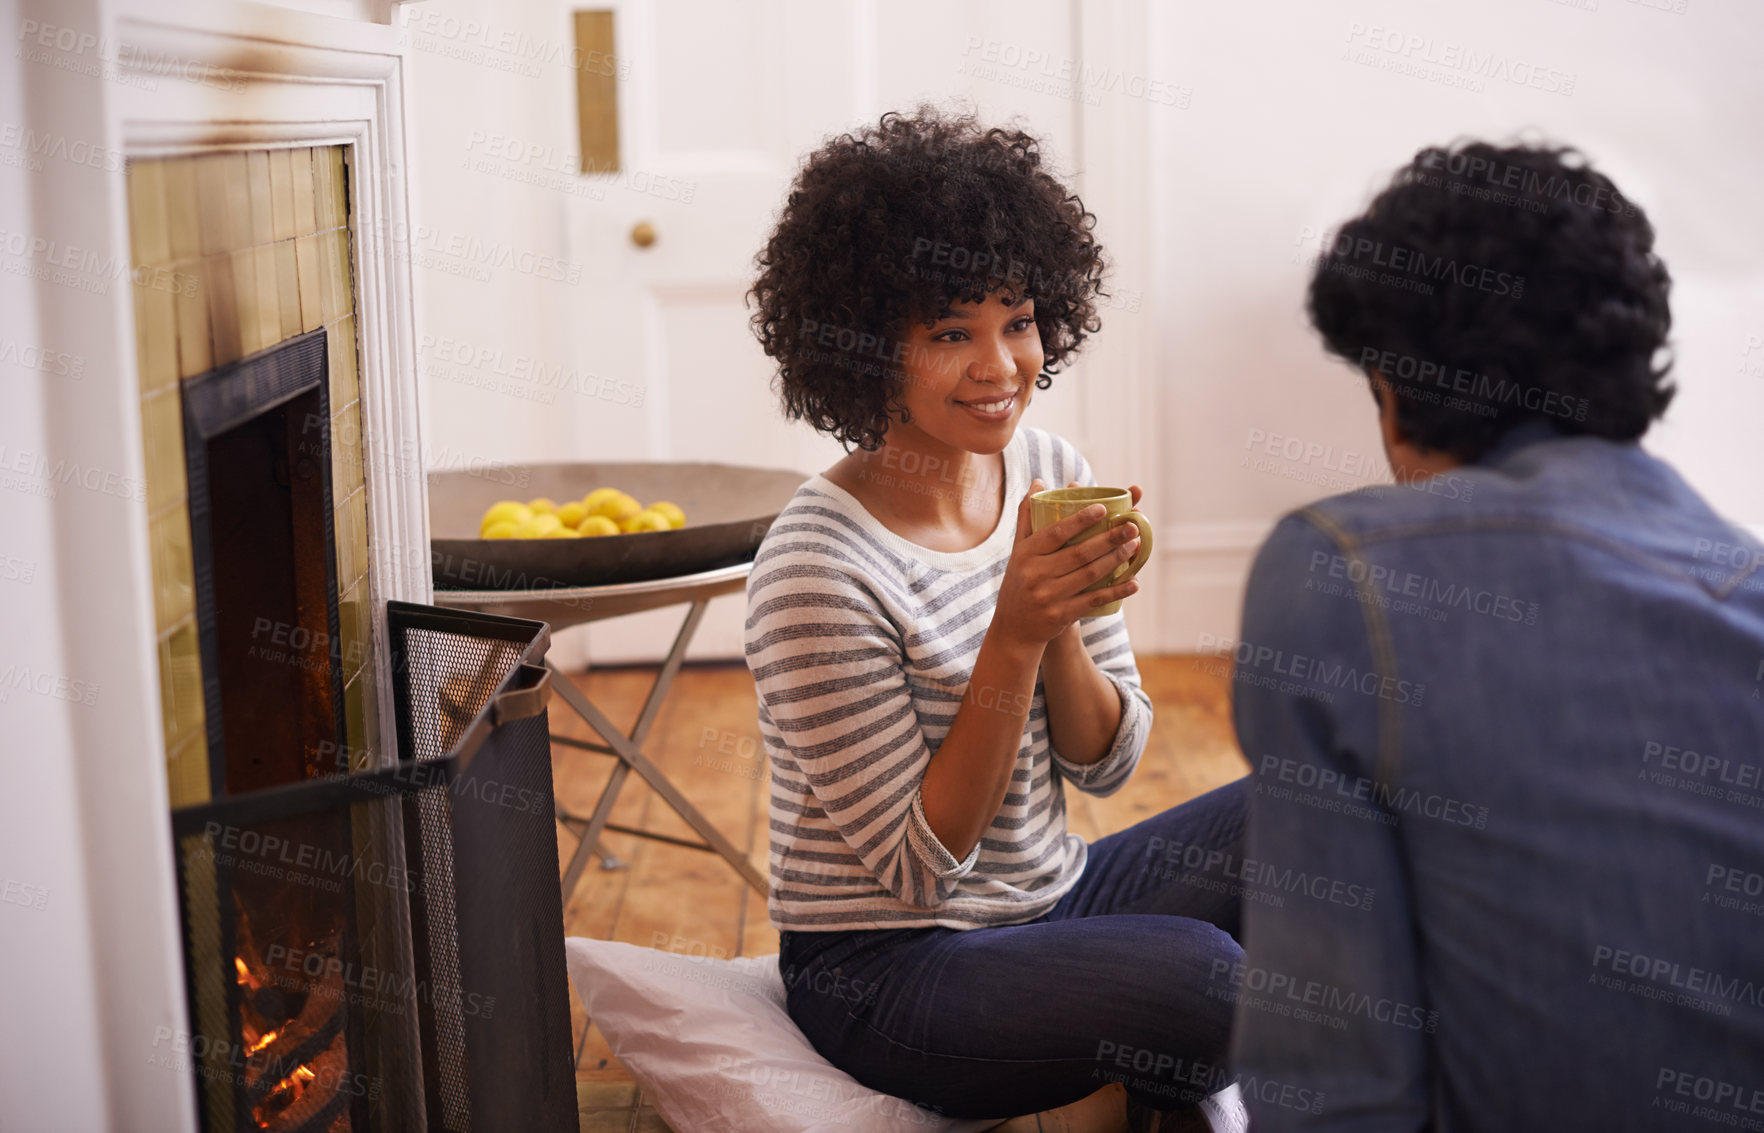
x: 369, y: 943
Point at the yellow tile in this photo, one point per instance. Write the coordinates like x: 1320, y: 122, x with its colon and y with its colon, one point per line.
x: 309, y: 263
x: 251, y: 332
x: 287, y: 288
x: 168, y: 712
x: 346, y: 452
x: 236, y: 185
x: 269, y: 306
x: 162, y: 442
x: 361, y: 710
x: 195, y: 347
x: 263, y: 222
x: 223, y: 309
x: 281, y: 172
x: 305, y: 212
x: 183, y: 214
x: 323, y: 204
x: 213, y: 203
x: 186, y: 671
x: 148, y: 232
x: 352, y: 540
x: 157, y: 331
x: 187, y: 772
x: 174, y: 583
x: 139, y: 297
x: 333, y: 289
x: 342, y: 281
x: 340, y: 362
x: 355, y: 628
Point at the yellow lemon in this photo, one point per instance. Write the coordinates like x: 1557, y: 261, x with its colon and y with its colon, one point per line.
x: 597, y: 525
x: 676, y: 517
x: 541, y: 505
x: 646, y: 521
x: 502, y: 529
x: 618, y: 509
x: 570, y: 514
x: 562, y: 532
x: 537, y: 527
x: 597, y: 496
x: 511, y: 510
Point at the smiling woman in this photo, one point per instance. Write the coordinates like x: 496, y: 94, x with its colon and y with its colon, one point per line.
x: 933, y: 673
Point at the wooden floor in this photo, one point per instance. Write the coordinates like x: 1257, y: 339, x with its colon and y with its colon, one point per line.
x: 707, y: 741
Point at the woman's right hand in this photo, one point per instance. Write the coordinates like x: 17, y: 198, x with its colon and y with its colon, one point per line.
x: 1042, y: 592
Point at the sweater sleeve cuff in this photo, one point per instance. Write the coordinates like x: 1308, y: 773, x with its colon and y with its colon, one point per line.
x: 1129, y: 742
x: 932, y: 853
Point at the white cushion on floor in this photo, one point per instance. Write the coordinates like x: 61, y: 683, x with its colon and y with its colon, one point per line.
x: 712, y: 1046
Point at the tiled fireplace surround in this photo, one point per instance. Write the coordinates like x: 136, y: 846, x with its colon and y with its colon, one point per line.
x: 243, y: 250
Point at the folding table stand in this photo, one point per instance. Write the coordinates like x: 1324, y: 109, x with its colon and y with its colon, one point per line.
x: 565, y: 607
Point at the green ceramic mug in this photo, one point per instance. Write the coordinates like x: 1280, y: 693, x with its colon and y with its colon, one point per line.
x: 1056, y: 504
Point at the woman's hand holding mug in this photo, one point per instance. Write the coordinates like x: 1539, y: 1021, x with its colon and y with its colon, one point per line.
x: 1076, y: 552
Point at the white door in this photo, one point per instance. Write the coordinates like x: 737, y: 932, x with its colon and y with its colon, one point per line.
x: 718, y: 104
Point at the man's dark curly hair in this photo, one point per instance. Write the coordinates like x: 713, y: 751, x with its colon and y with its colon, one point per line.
x: 1489, y: 286
x: 894, y: 223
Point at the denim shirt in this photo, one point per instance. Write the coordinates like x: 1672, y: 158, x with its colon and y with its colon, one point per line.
x: 1505, y: 868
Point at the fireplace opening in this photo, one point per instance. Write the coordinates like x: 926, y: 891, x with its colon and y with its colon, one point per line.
x: 274, y: 598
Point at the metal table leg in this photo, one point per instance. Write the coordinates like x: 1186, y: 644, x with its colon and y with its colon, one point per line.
x: 628, y: 749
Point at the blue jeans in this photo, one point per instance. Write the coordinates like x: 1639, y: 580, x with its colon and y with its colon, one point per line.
x: 1109, y: 985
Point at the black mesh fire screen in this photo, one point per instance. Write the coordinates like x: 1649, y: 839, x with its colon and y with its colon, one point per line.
x: 345, y: 977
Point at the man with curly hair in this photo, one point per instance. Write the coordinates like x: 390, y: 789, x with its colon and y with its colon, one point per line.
x: 930, y: 679
x: 1504, y: 715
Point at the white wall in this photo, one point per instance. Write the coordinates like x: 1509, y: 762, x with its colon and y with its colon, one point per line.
x: 1259, y: 131
x: 1286, y: 137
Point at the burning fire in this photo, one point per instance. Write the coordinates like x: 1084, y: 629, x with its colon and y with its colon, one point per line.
x: 289, y: 1090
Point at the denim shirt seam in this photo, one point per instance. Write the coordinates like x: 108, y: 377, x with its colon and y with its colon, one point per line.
x: 1378, y: 639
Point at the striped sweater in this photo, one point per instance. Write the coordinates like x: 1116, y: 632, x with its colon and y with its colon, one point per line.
x: 861, y: 646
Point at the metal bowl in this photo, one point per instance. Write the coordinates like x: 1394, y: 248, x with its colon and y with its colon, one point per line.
x: 728, y: 510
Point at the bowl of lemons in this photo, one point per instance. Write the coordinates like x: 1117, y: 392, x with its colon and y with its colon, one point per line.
x: 543, y: 526
x: 603, y: 511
